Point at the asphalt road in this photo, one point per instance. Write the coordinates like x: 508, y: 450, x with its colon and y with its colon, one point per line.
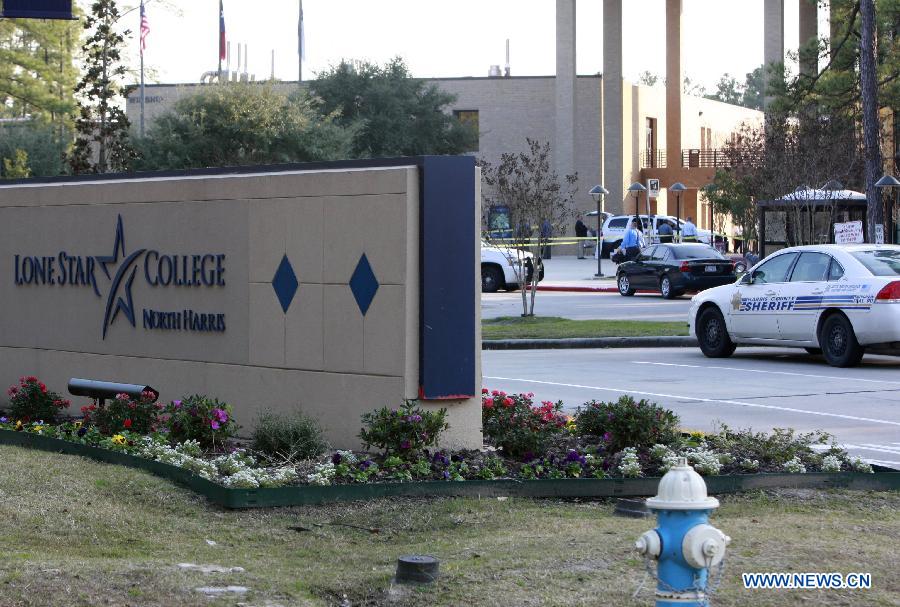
x: 757, y: 388
x: 589, y: 306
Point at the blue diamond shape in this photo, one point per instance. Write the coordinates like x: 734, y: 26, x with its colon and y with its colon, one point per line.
x: 363, y: 284
x: 285, y: 283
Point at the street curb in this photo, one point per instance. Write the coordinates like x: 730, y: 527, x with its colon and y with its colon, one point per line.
x: 661, y: 341
x: 573, y: 289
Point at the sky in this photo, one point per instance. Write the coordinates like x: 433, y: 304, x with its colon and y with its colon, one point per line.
x: 445, y: 39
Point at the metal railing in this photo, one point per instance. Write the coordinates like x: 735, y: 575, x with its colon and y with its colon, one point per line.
x: 705, y: 159
x: 653, y: 159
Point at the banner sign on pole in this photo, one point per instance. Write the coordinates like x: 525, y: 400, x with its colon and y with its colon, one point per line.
x: 37, y: 9
x: 850, y: 232
x: 653, y: 188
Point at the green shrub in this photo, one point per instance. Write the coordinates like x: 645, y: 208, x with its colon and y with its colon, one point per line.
x: 627, y: 423
x: 512, y: 423
x: 139, y: 415
x: 773, y: 451
x: 289, y: 437
x: 30, y: 401
x: 404, y: 432
x: 200, y: 418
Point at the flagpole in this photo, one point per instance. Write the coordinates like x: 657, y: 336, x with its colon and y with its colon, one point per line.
x: 142, y: 67
x: 220, y: 42
x: 300, y: 46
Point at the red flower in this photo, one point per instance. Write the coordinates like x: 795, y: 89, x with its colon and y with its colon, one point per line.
x: 484, y: 390
x: 508, y: 402
x: 127, y: 423
x: 43, y: 387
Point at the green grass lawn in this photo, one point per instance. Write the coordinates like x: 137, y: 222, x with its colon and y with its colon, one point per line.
x: 553, y: 327
x: 76, y: 532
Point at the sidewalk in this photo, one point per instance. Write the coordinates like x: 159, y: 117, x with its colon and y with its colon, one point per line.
x: 568, y: 273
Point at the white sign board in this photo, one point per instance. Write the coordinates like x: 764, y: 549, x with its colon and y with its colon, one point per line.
x: 653, y: 188
x: 879, y: 233
x: 850, y: 232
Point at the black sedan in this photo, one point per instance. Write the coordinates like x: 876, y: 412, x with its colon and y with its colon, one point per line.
x: 673, y: 269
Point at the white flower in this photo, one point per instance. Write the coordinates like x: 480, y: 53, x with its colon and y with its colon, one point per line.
x: 244, y: 479
x: 831, y: 463
x: 347, y: 457
x: 323, y: 474
x: 630, y: 465
x: 750, y: 464
x: 861, y: 466
x: 794, y: 466
x: 704, y: 461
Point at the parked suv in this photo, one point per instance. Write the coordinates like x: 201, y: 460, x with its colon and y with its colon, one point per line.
x: 498, y: 268
x: 614, y: 230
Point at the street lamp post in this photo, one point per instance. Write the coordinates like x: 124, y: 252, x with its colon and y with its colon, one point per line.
x: 637, y: 188
x: 886, y: 183
x: 597, y: 193
x: 678, y: 188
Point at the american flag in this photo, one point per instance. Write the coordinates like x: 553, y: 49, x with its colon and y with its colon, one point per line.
x: 145, y: 28
x: 221, y: 32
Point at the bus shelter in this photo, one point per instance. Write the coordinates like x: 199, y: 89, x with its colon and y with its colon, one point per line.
x: 807, y: 216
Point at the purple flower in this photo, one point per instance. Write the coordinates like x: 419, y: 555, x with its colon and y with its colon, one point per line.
x: 405, y: 444
x: 446, y: 475
x: 610, y: 416
x: 221, y: 415
x: 572, y: 456
x: 214, y: 425
x: 336, y: 459
x: 364, y: 465
x: 607, y: 437
x: 176, y: 404
x: 3, y: 420
x: 82, y: 431
x: 528, y: 456
x: 415, y: 418
x: 440, y: 458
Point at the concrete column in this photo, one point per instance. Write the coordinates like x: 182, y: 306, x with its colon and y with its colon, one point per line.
x: 773, y: 35
x: 809, y: 34
x: 613, y: 123
x: 673, y: 83
x: 564, y: 148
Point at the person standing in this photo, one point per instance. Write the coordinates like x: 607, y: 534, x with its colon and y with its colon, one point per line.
x: 580, y: 232
x: 546, y: 234
x: 665, y: 232
x: 632, y: 241
x: 689, y: 231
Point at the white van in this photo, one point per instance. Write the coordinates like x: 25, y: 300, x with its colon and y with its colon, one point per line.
x: 614, y: 230
x: 498, y: 268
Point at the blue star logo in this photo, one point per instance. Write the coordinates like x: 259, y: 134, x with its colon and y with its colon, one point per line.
x: 116, y: 303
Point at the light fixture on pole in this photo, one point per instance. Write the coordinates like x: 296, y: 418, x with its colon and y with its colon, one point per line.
x: 597, y: 193
x: 678, y: 188
x: 889, y: 181
x: 637, y: 188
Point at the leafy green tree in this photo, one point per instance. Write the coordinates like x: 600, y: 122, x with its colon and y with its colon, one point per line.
x: 749, y: 94
x: 17, y: 166
x: 102, y: 144
x: 398, y: 115
x: 648, y: 78
x: 44, y: 143
x: 37, y: 71
x: 240, y: 124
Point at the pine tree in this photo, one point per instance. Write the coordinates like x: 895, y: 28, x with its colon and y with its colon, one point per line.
x: 37, y: 73
x: 103, y: 143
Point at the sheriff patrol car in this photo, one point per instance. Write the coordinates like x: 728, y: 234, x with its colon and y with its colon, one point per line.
x: 833, y: 300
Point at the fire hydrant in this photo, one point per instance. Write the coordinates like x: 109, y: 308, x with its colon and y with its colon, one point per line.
x: 684, y: 545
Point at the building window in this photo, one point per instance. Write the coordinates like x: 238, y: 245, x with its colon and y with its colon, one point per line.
x: 469, y: 118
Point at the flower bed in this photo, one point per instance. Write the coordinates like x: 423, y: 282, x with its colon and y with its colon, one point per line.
x: 618, y: 448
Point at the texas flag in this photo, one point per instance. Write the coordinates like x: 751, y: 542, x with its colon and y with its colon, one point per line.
x: 221, y: 31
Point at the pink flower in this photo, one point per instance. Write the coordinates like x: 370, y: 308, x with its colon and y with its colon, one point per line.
x: 214, y: 425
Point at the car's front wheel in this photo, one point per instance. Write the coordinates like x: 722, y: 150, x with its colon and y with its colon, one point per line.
x: 491, y: 279
x: 624, y: 285
x: 839, y: 344
x: 713, y: 335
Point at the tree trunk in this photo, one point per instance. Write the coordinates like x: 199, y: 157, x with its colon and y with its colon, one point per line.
x: 869, y: 93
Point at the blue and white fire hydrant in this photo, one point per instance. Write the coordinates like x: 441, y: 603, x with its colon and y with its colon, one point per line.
x: 684, y: 545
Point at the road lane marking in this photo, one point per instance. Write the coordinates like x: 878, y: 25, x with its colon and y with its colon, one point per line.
x: 875, y: 381
x: 701, y: 400
x: 882, y: 448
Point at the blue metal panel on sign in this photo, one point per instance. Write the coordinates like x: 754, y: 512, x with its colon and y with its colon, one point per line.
x: 37, y: 9
x: 447, y: 282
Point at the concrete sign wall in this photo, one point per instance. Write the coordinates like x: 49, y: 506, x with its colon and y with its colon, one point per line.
x: 303, y: 286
